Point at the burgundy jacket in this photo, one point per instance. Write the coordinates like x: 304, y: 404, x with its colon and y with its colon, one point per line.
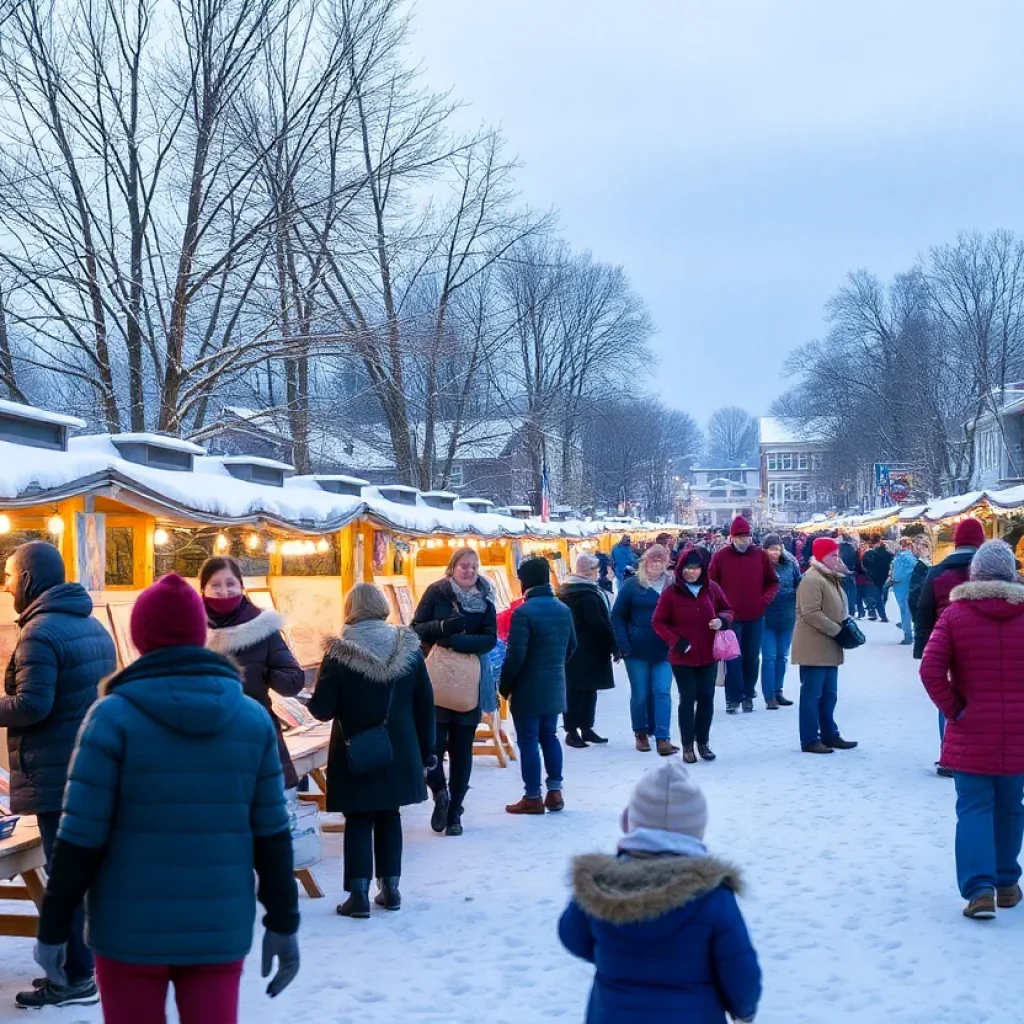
x: 973, y: 670
x: 681, y: 616
x: 749, y: 580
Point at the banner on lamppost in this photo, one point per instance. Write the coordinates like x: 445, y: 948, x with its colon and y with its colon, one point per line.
x: 895, y: 484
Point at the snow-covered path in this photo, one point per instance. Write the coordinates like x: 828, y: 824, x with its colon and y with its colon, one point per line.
x: 848, y: 860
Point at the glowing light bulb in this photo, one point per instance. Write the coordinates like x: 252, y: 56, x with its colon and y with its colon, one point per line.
x: 222, y: 543
x: 323, y: 545
x: 5, y: 524
x: 161, y: 537
x: 252, y: 542
x: 55, y: 526
x: 271, y: 546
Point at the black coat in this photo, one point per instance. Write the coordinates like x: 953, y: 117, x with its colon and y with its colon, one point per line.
x: 360, y: 671
x: 254, y: 642
x: 61, y: 655
x: 540, y: 641
x: 877, y: 562
x: 590, y: 667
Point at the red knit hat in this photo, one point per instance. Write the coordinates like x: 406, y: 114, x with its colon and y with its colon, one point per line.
x: 740, y: 528
x: 823, y: 547
x: 969, y: 534
x: 168, y: 614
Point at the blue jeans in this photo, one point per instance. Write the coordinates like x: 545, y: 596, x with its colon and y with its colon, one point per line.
x: 942, y: 726
x: 989, y: 831
x: 906, y: 619
x: 741, y: 673
x: 852, y: 594
x: 774, y: 659
x: 536, y: 734
x: 78, y: 963
x: 650, y: 701
x: 819, y: 693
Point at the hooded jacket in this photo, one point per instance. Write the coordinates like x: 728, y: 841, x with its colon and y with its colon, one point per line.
x: 51, y: 681
x: 632, y: 616
x: 973, y: 670
x: 253, y: 639
x: 667, y: 939
x: 374, y: 674
x: 748, y: 579
x: 590, y: 667
x: 902, y: 570
x: 939, y: 584
x: 176, y: 780
x: 681, y: 616
x: 781, y: 613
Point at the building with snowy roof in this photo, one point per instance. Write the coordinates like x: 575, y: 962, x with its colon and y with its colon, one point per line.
x: 791, y: 471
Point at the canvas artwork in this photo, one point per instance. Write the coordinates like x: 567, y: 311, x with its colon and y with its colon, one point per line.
x: 406, y: 606
x: 312, y: 610
x: 388, y: 590
x: 121, y: 626
x: 262, y: 599
x: 502, y: 589
x: 92, y: 550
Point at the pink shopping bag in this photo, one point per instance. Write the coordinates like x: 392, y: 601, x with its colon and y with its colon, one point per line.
x: 727, y: 645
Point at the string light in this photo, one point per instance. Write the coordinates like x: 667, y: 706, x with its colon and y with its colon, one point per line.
x: 222, y: 543
x: 161, y: 537
x: 323, y: 545
x: 5, y: 524
x: 271, y: 547
x: 252, y: 542
x: 55, y: 526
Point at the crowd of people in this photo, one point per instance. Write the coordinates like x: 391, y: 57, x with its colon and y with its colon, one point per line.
x: 117, y: 767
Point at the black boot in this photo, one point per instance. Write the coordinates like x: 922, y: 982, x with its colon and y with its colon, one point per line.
x: 688, y: 755
x: 388, y: 895
x: 706, y: 752
x: 574, y: 739
x: 454, y: 827
x: 358, y: 903
x: 590, y: 736
x: 783, y: 702
x: 439, y: 818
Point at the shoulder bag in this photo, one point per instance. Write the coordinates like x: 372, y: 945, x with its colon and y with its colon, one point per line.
x: 370, y: 750
x: 850, y: 636
x: 455, y: 678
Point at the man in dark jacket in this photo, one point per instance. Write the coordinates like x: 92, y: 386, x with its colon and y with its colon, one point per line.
x: 877, y: 563
x: 850, y: 557
x: 953, y: 570
x: 541, y: 640
x: 745, y: 573
x: 51, y: 682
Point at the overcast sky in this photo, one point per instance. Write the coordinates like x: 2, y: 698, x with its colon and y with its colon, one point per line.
x: 738, y: 157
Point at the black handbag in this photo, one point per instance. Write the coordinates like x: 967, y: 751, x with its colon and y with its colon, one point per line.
x: 370, y: 750
x: 850, y: 636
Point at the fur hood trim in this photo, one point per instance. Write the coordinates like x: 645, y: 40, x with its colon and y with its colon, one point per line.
x: 232, y: 639
x: 378, y: 656
x: 832, y: 574
x: 981, y: 590
x: 628, y: 890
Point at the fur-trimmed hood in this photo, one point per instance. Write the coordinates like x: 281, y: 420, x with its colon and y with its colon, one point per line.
x: 375, y: 649
x: 629, y: 890
x: 995, y: 599
x: 232, y: 639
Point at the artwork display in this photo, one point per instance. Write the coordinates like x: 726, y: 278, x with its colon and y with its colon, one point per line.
x: 498, y: 575
x: 380, y: 550
x: 121, y: 626
x: 262, y: 599
x: 396, y: 590
x: 91, y: 550
x: 312, y: 610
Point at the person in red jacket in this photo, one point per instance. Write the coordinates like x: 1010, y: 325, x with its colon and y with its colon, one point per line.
x: 973, y: 670
x: 745, y: 572
x: 689, y: 613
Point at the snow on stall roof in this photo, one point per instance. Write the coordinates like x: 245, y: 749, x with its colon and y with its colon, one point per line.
x: 30, y: 412
x: 254, y: 460
x: 313, y: 480
x: 174, y: 444
x: 953, y: 506
x: 24, y: 470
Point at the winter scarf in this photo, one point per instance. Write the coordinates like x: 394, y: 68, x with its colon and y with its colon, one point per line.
x: 474, y: 599
x: 375, y: 649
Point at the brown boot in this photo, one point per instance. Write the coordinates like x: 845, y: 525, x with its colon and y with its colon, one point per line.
x: 1008, y: 896
x: 643, y: 744
x: 667, y: 748
x: 688, y: 755
x: 528, y: 805
x: 553, y: 801
x: 982, y: 907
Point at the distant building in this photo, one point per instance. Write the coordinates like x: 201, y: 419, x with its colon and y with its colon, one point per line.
x: 999, y: 443
x: 718, y: 495
x: 791, y: 472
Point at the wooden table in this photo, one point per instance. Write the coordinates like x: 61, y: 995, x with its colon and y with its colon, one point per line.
x: 308, y: 751
x: 22, y: 856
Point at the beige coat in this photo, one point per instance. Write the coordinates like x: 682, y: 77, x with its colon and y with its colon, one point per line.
x: 820, y: 611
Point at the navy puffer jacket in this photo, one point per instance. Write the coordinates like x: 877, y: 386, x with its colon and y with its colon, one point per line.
x: 631, y: 619
x: 781, y: 613
x: 176, y: 777
x: 51, y: 681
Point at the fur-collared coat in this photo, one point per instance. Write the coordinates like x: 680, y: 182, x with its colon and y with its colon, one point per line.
x: 255, y: 643
x: 363, y: 668
x: 821, y: 609
x: 666, y: 936
x: 973, y: 670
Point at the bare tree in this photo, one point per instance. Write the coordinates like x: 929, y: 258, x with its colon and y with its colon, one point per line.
x: 732, y: 437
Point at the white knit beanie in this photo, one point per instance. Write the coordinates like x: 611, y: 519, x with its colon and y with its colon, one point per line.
x: 667, y: 798
x: 994, y: 560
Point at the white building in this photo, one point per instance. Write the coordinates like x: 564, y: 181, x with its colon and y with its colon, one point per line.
x: 999, y: 443
x: 718, y: 495
x: 790, y: 472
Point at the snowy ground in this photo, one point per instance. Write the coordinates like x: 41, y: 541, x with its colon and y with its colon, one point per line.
x: 848, y: 858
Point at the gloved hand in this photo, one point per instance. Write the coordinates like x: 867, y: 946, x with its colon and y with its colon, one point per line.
x: 430, y: 764
x: 682, y: 646
x: 457, y: 624
x: 51, y: 959
x: 286, y: 949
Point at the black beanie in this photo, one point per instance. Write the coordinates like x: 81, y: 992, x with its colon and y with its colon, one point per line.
x: 534, y: 572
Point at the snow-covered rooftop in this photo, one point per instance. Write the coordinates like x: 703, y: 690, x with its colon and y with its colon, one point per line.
x: 779, y: 431
x: 30, y: 412
x: 254, y: 460
x: 173, y: 444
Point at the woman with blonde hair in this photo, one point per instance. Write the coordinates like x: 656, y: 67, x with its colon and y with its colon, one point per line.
x: 645, y: 653
x: 373, y: 684
x: 457, y: 617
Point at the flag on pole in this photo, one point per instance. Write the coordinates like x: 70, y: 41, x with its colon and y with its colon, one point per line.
x: 545, y: 493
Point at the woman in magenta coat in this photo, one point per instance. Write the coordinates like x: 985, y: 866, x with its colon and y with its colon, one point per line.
x: 973, y: 669
x: 689, y: 613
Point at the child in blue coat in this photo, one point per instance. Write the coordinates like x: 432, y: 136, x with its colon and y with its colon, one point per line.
x: 660, y: 921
